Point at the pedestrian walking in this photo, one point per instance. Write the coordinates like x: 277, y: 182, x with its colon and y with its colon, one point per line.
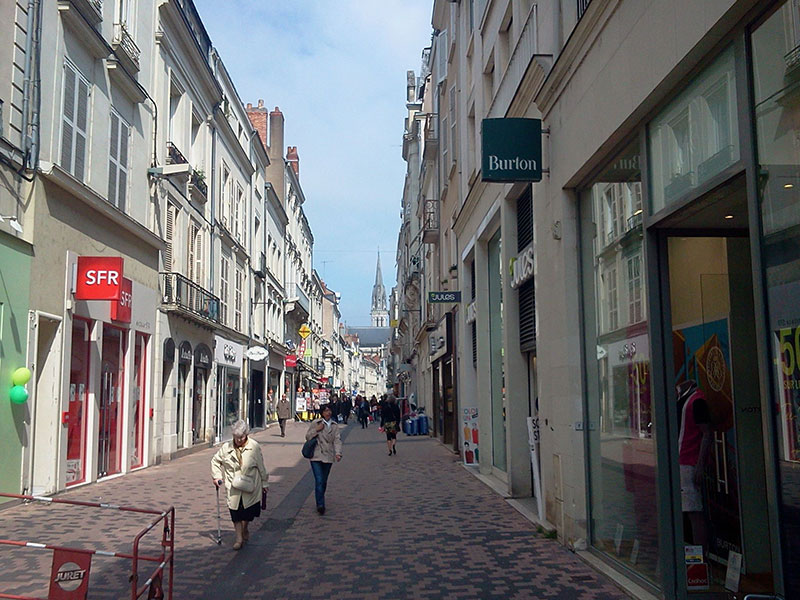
x: 239, y: 466
x: 284, y: 412
x: 347, y: 407
x: 363, y: 412
x: 327, y: 451
x: 334, y: 404
x: 390, y: 421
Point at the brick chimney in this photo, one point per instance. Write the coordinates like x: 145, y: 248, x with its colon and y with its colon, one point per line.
x: 258, y: 117
x: 293, y: 159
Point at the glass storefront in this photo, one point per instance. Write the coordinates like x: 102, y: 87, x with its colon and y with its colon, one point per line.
x: 496, y: 352
x: 111, y: 399
x: 776, y: 90
x: 78, y: 400
x: 138, y: 400
x: 622, y: 457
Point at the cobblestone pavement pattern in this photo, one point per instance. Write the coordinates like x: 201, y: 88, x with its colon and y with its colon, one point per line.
x: 415, y: 525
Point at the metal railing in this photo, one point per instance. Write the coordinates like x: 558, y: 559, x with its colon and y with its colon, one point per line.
x: 123, y: 40
x: 582, y: 6
x: 181, y: 292
x: 174, y: 156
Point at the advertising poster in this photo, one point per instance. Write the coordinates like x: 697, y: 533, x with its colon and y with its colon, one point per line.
x: 470, y: 431
x: 301, y: 403
x: 702, y: 353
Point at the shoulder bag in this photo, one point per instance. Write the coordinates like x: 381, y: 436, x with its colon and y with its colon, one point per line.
x: 309, y: 447
x: 244, y: 483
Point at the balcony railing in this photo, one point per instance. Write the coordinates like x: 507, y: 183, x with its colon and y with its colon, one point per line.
x: 123, y: 41
x: 430, y: 229
x: 582, y: 6
x: 182, y: 293
x: 199, y: 187
x: 174, y: 156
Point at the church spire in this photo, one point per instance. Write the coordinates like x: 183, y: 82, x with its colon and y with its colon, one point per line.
x: 379, y: 312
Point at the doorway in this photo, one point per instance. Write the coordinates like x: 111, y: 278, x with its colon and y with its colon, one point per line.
x: 713, y: 382
x: 256, y: 409
x: 111, y: 394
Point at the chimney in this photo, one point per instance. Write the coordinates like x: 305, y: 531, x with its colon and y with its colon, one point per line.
x: 293, y: 159
x: 258, y: 117
x: 275, y: 136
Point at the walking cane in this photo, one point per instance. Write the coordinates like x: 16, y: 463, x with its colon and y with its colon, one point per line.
x: 219, y: 531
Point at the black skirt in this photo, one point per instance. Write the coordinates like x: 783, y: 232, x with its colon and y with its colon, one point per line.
x: 245, y: 514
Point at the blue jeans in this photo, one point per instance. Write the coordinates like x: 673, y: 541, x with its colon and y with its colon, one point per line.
x: 321, y: 471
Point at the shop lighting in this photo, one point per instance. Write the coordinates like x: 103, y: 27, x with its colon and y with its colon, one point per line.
x: 728, y: 216
x: 788, y: 186
x: 12, y: 222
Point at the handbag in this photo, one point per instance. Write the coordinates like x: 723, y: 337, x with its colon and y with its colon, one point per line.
x: 244, y: 483
x: 309, y: 447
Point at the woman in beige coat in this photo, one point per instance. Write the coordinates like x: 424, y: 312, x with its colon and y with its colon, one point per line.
x: 239, y: 465
x: 328, y: 450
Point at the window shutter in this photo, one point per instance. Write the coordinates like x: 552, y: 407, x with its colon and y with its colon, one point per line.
x: 527, y: 317
x: 474, y: 344
x: 198, y: 258
x: 453, y: 123
x: 68, y: 118
x: 190, y: 250
x: 169, y: 228
x: 524, y: 220
x: 81, y: 128
x: 122, y: 185
x: 442, y: 48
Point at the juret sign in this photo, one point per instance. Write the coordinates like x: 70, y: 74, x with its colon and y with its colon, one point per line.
x: 511, y: 150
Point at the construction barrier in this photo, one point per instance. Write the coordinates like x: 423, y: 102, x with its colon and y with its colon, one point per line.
x: 69, y: 573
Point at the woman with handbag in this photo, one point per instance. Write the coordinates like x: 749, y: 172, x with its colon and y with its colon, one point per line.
x: 323, y: 453
x: 390, y: 423
x: 239, y: 465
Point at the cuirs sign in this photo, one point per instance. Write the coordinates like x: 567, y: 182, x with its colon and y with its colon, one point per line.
x: 99, y: 278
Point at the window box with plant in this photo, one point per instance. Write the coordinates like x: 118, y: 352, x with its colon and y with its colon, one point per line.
x: 198, y: 186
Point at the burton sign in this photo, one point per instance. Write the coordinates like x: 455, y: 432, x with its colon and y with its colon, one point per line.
x: 511, y: 150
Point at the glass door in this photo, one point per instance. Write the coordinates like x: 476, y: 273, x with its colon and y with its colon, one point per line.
x: 111, y: 394
x: 78, y: 401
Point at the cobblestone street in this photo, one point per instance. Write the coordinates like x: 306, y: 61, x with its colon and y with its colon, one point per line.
x: 415, y: 525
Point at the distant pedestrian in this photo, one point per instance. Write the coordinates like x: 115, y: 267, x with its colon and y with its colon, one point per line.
x: 239, y: 466
x: 328, y: 451
x: 363, y: 412
x: 390, y: 421
x: 284, y: 412
x: 345, y: 408
x: 315, y: 407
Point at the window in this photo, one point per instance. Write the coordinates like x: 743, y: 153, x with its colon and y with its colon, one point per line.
x: 635, y: 312
x: 225, y: 192
x: 612, y: 305
x: 75, y: 122
x: 118, y: 161
x: 451, y: 96
x: 236, y: 225
x: 224, y: 278
x: 194, y: 255
x: 237, y: 304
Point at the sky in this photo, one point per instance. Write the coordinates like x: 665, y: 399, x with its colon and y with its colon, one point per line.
x: 337, y: 70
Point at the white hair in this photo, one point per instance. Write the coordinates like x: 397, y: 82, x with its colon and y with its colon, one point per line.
x: 240, y: 429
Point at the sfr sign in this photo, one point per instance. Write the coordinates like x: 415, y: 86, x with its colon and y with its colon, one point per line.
x: 99, y: 278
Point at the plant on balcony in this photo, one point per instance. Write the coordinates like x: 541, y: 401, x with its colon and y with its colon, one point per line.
x: 199, y: 181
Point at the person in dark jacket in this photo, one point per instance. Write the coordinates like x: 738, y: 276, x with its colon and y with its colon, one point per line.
x: 390, y: 421
x: 334, y: 404
x: 363, y: 412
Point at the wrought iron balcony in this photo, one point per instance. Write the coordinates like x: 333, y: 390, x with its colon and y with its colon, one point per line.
x: 582, y: 6
x: 430, y: 228
x: 197, y: 186
x: 174, y: 156
x: 183, y: 295
x: 124, y: 42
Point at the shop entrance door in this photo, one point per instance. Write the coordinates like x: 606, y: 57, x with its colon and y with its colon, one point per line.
x: 256, y: 408
x: 713, y: 379
x: 111, y: 390
x: 180, y: 403
x: 199, y: 406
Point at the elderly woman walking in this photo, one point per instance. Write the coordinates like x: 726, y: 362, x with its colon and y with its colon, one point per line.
x: 328, y: 450
x: 239, y: 466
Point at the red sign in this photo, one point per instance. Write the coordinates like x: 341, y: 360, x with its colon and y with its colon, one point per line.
x: 323, y: 380
x: 99, y: 278
x: 290, y: 360
x: 121, y: 309
x: 69, y: 576
x: 697, y: 577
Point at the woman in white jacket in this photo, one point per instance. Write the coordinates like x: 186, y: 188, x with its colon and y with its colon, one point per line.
x: 239, y: 465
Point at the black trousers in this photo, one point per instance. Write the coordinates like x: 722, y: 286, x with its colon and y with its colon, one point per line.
x: 282, y: 423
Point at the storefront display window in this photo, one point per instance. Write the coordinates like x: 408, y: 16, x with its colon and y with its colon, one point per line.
x: 111, y: 400
x: 496, y: 349
x: 138, y: 400
x: 696, y: 136
x: 78, y: 399
x: 622, y: 462
x: 776, y: 80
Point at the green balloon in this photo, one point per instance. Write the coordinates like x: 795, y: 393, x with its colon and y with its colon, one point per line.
x: 21, y: 376
x: 18, y: 394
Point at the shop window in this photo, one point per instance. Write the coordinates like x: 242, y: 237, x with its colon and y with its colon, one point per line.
x: 621, y: 462
x: 696, y: 136
x: 776, y: 77
x: 78, y: 400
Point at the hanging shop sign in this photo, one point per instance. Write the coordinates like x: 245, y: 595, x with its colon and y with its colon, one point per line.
x: 185, y: 353
x: 290, y: 360
x: 511, y: 150
x: 228, y: 353
x: 304, y: 331
x: 121, y: 309
x: 521, y: 267
x: 444, y: 297
x: 202, y: 356
x: 99, y: 278
x: 257, y: 353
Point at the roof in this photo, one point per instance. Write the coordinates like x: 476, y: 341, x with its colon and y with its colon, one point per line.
x: 371, y: 337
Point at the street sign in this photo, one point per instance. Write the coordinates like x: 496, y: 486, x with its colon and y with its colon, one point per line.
x: 304, y: 331
x: 444, y: 297
x: 257, y: 353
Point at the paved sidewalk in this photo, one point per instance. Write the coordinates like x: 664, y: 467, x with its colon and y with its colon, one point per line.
x: 415, y: 525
